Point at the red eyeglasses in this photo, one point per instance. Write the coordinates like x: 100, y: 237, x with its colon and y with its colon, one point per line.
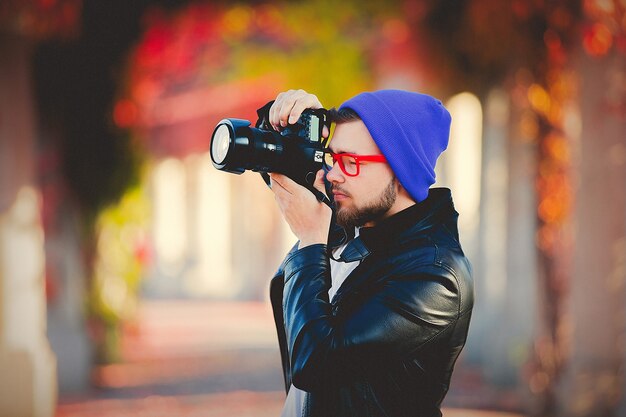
x: 349, y: 163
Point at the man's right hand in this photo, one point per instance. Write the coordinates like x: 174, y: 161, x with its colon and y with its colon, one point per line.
x: 288, y: 107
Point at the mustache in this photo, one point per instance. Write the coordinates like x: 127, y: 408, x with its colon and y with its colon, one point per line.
x: 337, y: 189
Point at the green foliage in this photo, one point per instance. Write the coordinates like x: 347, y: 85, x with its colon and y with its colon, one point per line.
x: 121, y: 254
x: 320, y: 46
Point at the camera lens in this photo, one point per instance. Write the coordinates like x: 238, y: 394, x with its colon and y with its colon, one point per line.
x: 221, y: 144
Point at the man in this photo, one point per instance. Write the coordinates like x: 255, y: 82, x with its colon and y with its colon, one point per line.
x: 372, y: 320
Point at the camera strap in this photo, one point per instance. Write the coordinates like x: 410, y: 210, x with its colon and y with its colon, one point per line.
x: 263, y: 115
x: 321, y: 197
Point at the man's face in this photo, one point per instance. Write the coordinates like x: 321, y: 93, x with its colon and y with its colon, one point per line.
x: 368, y: 197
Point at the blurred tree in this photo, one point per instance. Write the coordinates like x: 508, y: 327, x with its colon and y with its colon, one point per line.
x: 76, y: 83
x: 76, y: 79
x: 319, y: 46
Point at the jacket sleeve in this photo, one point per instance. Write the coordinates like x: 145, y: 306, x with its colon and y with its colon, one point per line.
x: 404, y: 314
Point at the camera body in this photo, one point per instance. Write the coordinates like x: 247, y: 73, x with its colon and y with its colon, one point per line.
x: 297, y: 151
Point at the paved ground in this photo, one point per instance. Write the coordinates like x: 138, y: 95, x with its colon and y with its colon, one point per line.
x: 192, y: 359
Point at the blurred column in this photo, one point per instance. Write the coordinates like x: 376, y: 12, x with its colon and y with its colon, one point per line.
x: 520, y: 305
x: 490, y: 275
x: 593, y: 384
x: 501, y: 332
x: 27, y: 365
x: 461, y: 166
x: 209, y: 230
x: 505, y: 279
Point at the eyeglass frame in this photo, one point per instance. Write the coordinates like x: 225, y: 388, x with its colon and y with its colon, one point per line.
x: 337, y: 158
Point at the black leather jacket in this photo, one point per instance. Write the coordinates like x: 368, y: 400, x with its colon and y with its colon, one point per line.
x: 387, y: 343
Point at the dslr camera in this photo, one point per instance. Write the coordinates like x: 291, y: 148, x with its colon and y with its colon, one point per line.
x: 297, y: 151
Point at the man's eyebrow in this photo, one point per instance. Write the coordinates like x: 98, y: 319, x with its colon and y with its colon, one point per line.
x: 340, y: 150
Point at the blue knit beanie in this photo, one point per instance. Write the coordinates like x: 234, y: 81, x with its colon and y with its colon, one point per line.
x: 410, y: 129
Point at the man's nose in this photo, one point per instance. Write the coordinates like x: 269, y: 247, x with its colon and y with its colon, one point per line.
x: 335, y: 174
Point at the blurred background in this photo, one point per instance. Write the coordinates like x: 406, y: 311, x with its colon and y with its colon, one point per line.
x: 134, y: 276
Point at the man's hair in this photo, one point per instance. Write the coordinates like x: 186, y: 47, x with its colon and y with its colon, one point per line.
x: 344, y: 115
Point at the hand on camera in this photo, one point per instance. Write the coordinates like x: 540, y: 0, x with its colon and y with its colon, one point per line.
x: 288, y: 107
x: 308, y: 219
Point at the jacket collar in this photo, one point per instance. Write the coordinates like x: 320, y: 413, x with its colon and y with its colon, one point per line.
x: 414, y: 219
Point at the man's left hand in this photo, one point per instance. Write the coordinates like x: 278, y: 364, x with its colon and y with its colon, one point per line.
x: 308, y: 219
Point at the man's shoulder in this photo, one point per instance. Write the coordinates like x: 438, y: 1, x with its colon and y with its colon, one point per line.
x: 431, y: 255
x: 431, y: 269
x: 425, y: 256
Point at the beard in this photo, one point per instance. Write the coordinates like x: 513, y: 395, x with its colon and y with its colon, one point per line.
x: 372, y: 211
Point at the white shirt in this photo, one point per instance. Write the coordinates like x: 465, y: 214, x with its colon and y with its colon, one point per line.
x: 339, y: 271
